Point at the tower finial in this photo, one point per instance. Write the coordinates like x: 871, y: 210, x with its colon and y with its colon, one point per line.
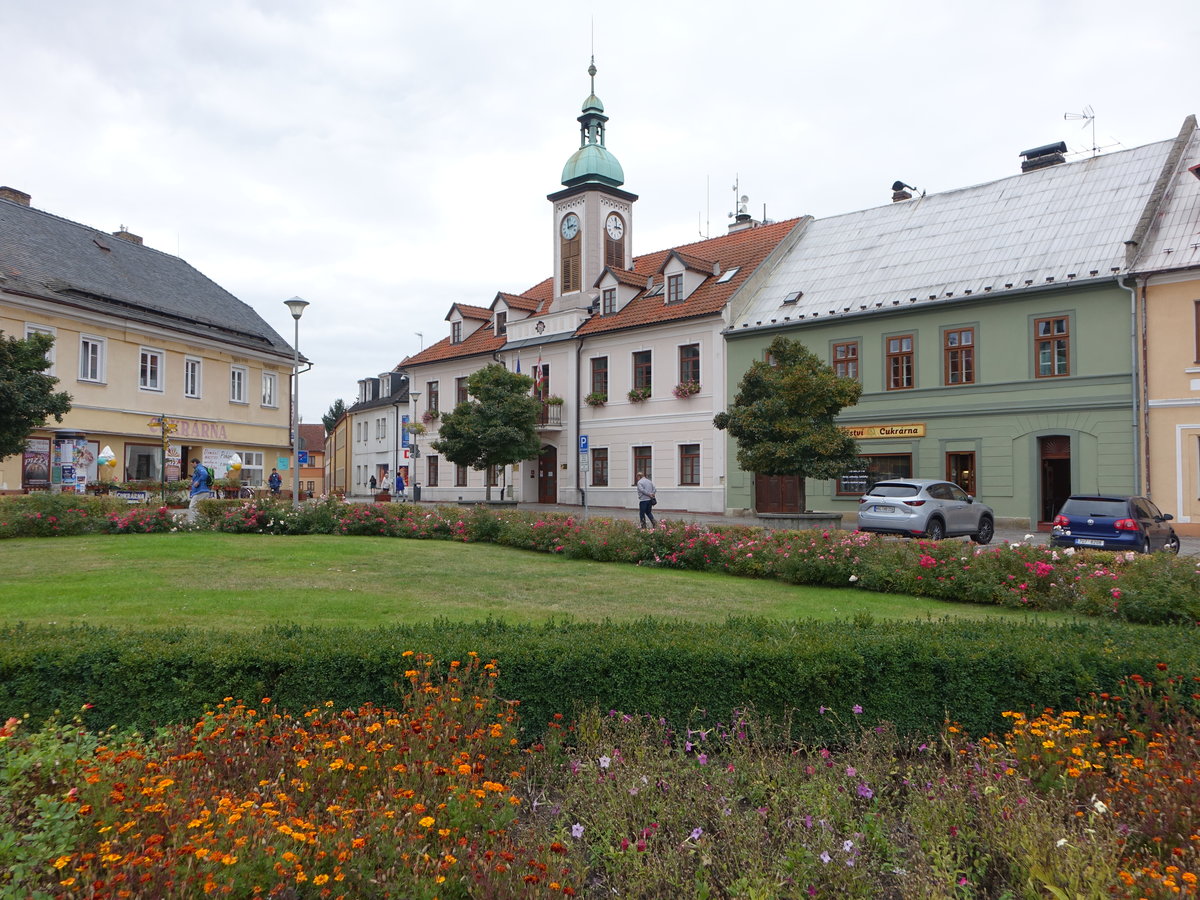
x: 592, y: 72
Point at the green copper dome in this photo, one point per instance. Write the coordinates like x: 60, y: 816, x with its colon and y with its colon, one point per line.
x: 592, y: 163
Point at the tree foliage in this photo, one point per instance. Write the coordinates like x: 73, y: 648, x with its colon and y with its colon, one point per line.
x: 27, y: 395
x: 784, y: 416
x: 496, y: 426
x: 336, y: 409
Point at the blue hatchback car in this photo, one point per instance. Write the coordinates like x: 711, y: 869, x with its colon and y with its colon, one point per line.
x: 1113, y: 522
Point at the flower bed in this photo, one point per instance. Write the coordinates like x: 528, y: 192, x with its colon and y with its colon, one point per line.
x: 434, y: 798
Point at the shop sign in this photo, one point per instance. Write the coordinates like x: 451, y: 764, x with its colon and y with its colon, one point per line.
x: 871, y: 432
x: 189, y: 428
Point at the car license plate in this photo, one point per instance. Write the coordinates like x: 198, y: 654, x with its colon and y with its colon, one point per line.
x: 878, y: 508
x: 1088, y: 542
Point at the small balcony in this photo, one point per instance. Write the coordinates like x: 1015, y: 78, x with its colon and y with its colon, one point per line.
x: 550, y: 417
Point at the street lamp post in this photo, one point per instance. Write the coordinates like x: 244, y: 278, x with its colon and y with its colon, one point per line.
x: 296, y: 307
x: 414, y: 450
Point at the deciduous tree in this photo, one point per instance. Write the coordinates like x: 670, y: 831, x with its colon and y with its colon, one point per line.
x: 496, y: 426
x: 27, y: 395
x: 783, y: 418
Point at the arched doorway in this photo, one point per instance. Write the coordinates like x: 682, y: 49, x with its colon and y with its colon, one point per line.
x: 548, y: 475
x: 1054, y: 460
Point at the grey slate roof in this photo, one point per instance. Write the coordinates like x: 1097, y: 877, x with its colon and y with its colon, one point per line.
x: 1173, y: 241
x: 65, y: 262
x: 1062, y: 224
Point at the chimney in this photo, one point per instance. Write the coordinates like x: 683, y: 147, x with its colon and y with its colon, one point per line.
x: 901, y: 191
x: 1040, y: 157
x: 128, y: 236
x: 12, y: 195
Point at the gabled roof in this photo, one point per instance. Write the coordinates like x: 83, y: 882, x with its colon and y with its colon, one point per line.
x: 483, y: 340
x: 1173, y: 239
x: 516, y: 301
x: 690, y: 261
x: 626, y: 277
x: 64, y: 262
x: 743, y: 250
x: 475, y: 313
x: 1061, y: 224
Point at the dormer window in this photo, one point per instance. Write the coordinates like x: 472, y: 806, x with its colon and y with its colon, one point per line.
x: 674, y: 288
x: 456, y: 332
x: 608, y: 301
x: 502, y: 322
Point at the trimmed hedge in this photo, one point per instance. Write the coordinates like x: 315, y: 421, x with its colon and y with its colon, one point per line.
x: 914, y: 674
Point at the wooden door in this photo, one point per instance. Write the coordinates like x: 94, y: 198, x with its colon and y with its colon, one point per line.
x: 548, y: 475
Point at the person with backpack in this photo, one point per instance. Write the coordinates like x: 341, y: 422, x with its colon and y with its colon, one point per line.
x: 275, y: 482
x: 202, y: 484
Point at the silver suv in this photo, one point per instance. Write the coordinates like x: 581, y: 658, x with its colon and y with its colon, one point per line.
x: 924, y: 507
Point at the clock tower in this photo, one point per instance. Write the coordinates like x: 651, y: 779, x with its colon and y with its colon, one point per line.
x: 593, y: 217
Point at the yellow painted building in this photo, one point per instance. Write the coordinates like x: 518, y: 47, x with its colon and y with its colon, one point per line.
x: 1167, y: 304
x: 140, y: 336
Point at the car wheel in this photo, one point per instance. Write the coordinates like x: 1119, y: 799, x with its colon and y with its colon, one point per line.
x: 987, y: 529
x: 935, y: 530
x: 1172, y: 544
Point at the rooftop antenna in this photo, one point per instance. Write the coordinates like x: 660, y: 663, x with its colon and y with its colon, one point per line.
x: 422, y: 337
x: 707, y: 209
x: 740, y: 201
x: 1088, y: 117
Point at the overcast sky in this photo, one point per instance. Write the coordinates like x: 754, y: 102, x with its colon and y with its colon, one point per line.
x: 384, y: 159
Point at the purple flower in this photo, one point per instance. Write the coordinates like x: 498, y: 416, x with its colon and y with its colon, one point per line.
x: 825, y: 857
x: 822, y: 709
x: 577, y: 831
x: 702, y: 759
x: 696, y: 832
x: 865, y: 792
x: 846, y: 847
x: 857, y: 710
x: 604, y: 761
x: 851, y: 771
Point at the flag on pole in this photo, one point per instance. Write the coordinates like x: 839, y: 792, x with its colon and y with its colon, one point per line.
x: 539, y: 379
x: 518, y: 363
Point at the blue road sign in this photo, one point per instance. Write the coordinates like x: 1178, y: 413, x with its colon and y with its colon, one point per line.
x: 302, y: 457
x: 583, y: 443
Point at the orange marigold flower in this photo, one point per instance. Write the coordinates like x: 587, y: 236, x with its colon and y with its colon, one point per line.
x: 426, y: 821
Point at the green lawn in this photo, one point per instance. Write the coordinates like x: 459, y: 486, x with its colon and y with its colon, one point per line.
x: 247, y: 581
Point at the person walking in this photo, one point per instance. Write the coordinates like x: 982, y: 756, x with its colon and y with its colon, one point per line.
x: 202, y: 484
x: 646, y: 499
x: 400, y: 485
x: 275, y: 482
x: 371, y: 482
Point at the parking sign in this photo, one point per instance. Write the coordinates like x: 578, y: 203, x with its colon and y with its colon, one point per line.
x: 583, y: 443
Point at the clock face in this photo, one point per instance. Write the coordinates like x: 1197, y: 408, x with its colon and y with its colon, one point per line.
x: 570, y: 226
x: 615, y: 227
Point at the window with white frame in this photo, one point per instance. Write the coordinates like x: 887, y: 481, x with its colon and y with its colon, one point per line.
x: 252, y: 467
x: 270, y: 389
x: 150, y: 369
x: 237, y: 384
x: 91, y: 358
x: 191, y: 376
x: 43, y: 329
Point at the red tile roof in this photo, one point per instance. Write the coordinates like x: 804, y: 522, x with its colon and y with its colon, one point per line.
x: 690, y: 261
x: 313, y: 437
x: 744, y: 250
x: 516, y: 301
x: 478, y: 313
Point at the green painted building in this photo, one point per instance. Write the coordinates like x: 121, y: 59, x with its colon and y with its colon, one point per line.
x: 991, y: 329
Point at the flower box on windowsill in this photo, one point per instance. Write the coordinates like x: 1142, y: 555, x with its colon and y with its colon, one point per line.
x: 686, y: 389
x: 430, y: 416
x: 596, y: 398
x: 637, y: 395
